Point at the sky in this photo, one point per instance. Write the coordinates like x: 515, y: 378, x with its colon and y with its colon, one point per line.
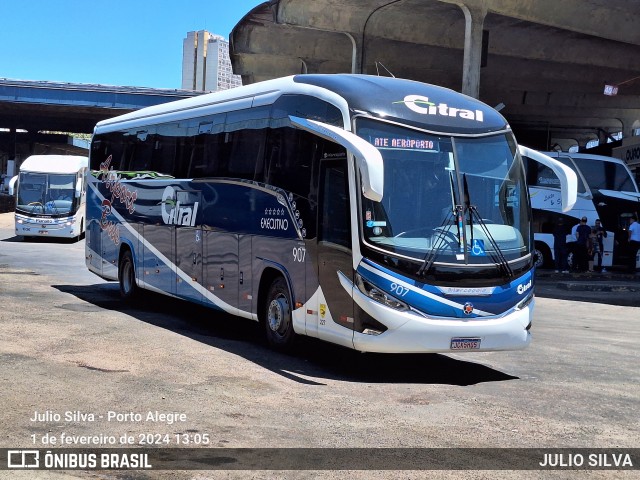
x: 112, y: 42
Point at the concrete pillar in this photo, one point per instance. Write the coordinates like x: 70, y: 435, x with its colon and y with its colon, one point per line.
x: 629, y: 124
x: 474, y: 15
x: 357, y: 52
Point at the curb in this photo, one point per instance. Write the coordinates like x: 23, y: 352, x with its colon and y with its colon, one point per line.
x: 598, y: 287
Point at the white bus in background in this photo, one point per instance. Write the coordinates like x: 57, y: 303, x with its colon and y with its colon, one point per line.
x: 50, y: 198
x: 606, y: 191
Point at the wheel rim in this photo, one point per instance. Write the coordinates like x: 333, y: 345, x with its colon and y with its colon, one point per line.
x: 277, y: 314
x: 538, y: 258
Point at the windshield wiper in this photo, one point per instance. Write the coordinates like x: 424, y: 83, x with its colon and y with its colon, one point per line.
x: 455, y: 213
x: 437, y: 244
x: 496, y: 254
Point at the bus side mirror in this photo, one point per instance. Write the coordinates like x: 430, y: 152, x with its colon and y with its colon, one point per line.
x: 367, y: 156
x: 567, y: 177
x: 13, y: 185
x: 79, y: 186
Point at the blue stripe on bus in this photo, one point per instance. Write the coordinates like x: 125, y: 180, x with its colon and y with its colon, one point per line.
x: 431, y: 300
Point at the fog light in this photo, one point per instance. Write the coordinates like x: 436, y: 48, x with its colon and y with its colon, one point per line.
x: 371, y: 331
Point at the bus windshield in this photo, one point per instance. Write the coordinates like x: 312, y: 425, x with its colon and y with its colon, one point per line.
x: 46, y: 193
x: 433, y: 182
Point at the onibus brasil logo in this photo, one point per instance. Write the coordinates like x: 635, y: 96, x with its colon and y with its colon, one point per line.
x: 421, y: 104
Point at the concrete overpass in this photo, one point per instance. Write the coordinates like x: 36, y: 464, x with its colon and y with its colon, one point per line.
x: 30, y: 108
x: 547, y: 61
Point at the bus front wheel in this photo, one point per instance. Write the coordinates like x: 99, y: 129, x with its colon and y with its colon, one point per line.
x: 127, y: 277
x: 278, y: 318
x: 542, y: 256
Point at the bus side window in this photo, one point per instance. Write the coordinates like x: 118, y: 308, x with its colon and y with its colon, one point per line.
x: 290, y: 155
x: 246, y: 155
x: 306, y: 107
x: 141, y: 157
x: 105, y: 146
x: 209, y: 156
x: 164, y: 157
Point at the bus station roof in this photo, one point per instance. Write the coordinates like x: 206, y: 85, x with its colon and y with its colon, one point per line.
x: 73, y: 107
x: 546, y: 61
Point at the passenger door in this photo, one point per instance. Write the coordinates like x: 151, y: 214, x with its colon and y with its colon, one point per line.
x: 334, y: 250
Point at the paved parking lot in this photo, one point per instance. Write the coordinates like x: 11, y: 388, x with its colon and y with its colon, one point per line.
x: 67, y: 344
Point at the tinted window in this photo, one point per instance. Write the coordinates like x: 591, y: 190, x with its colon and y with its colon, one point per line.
x: 105, y: 146
x: 208, y: 156
x: 539, y: 175
x: 246, y: 154
x: 290, y: 155
x: 141, y: 152
x: 229, y: 145
x: 252, y: 118
x: 305, y: 107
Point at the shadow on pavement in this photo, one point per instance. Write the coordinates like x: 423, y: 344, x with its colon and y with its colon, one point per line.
x: 310, y: 357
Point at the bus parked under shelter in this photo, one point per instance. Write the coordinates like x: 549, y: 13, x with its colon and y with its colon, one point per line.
x: 377, y: 213
x: 50, y: 198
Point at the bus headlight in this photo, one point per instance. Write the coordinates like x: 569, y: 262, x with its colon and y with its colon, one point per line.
x: 379, y: 296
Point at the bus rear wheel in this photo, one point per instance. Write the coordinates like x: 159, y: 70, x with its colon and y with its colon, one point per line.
x: 127, y: 277
x: 278, y: 320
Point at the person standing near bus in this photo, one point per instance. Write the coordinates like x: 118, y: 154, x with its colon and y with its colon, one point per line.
x: 601, y: 234
x: 634, y: 242
x: 583, y: 234
x: 593, y: 248
x: 560, y: 251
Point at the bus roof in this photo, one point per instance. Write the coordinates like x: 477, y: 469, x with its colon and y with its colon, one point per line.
x: 422, y: 105
x: 54, y: 163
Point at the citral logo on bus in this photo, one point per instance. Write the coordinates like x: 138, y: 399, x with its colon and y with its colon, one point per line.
x: 523, y: 287
x: 422, y: 105
x: 177, y: 214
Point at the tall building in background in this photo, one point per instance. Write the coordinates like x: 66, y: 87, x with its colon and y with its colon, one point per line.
x: 206, y: 65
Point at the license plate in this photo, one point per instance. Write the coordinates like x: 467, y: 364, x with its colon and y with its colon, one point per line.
x: 461, y: 343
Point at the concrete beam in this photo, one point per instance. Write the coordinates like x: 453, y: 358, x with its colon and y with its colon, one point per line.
x: 548, y: 60
x: 590, y: 17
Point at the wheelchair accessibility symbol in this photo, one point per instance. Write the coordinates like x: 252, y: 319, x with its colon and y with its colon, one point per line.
x: 477, y: 248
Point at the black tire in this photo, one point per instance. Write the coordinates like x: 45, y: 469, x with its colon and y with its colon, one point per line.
x: 278, y: 321
x: 541, y: 256
x: 127, y: 277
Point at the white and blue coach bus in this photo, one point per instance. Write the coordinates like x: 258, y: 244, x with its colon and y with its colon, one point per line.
x: 380, y: 214
x: 50, y: 196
